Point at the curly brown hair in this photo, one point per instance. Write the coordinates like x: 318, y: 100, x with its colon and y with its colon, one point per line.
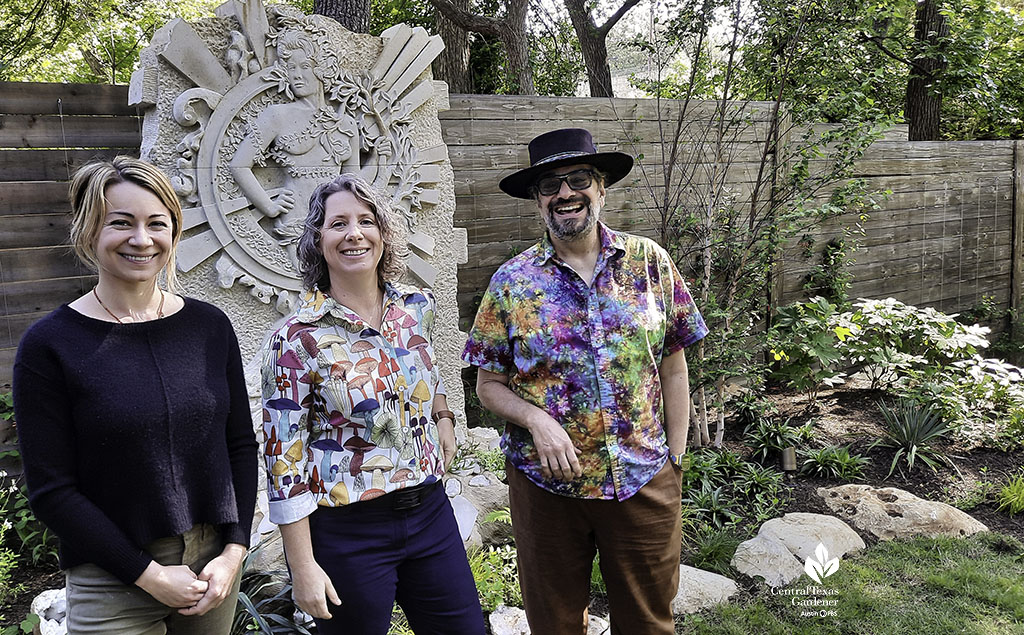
x: 312, y: 264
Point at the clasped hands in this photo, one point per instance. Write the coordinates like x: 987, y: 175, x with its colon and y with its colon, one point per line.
x: 177, y: 586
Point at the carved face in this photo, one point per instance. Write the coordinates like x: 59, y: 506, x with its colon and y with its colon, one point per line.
x: 571, y: 214
x: 350, y: 239
x: 135, y: 240
x: 300, y: 74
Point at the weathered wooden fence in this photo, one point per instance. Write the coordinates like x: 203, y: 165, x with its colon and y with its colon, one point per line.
x: 951, y: 232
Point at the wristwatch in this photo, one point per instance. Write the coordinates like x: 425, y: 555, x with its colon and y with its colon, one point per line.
x: 443, y: 414
x: 681, y: 461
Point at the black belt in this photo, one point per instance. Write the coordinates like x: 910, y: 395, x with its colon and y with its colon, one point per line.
x: 401, y: 499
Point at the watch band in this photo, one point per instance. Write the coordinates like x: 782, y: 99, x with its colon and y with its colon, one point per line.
x: 682, y: 461
x: 442, y: 414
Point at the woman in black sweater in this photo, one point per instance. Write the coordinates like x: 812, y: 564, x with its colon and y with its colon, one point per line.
x: 134, y: 423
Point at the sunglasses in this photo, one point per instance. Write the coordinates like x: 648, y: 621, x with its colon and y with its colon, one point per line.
x: 577, y: 180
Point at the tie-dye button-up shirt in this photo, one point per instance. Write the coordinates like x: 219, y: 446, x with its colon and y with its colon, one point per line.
x: 346, y: 408
x: 588, y: 356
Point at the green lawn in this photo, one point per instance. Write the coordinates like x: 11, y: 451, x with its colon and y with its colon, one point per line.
x: 931, y: 586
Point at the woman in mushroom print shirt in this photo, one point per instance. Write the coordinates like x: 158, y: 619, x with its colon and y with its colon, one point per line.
x: 357, y: 432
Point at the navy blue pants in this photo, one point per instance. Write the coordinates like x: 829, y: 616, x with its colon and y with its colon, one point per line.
x: 375, y: 555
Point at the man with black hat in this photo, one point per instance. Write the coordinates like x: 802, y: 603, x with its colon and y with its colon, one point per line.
x: 579, y: 343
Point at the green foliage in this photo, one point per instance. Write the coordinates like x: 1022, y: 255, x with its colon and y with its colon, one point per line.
x: 805, y: 345
x: 556, y: 58
x: 387, y: 13
x: 496, y: 576
x: 714, y: 505
x: 976, y: 493
x: 722, y: 490
x: 469, y: 457
x: 831, y: 277
x: 8, y: 558
x: 982, y: 398
x: 750, y: 406
x: 597, y: 584
x: 100, y: 40
x: 1011, y: 496
x: 834, y: 462
x: 503, y: 515
x: 913, y: 430
x: 923, y: 585
x: 850, y: 60
x: 34, y: 540
x: 264, y: 601
x: 888, y: 339
x: 768, y: 437
x: 27, y: 625
x: 713, y: 550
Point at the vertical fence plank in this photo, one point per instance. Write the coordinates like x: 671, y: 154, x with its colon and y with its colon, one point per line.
x: 1017, y: 273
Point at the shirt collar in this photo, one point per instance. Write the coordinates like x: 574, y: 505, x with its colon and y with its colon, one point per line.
x: 315, y: 304
x: 611, y: 242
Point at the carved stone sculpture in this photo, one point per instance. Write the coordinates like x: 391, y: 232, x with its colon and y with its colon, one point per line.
x: 249, y: 111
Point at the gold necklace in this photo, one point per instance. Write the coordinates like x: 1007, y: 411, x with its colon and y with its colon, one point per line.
x: 159, y: 309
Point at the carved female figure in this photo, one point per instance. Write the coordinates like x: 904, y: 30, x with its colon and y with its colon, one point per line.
x: 312, y: 138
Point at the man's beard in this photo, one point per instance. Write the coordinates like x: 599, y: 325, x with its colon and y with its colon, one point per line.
x: 569, y: 229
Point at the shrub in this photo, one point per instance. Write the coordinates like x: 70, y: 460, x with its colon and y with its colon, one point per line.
x: 713, y: 549
x: 751, y: 406
x: 264, y: 601
x: 804, y: 343
x: 8, y: 558
x: 713, y: 505
x: 982, y: 398
x: 496, y: 576
x: 768, y: 437
x: 912, y: 430
x: 1011, y: 496
x: 833, y: 462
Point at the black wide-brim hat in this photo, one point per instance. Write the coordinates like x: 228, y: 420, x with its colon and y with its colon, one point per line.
x: 567, y: 146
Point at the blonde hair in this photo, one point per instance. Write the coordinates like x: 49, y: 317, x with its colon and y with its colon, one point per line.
x: 89, y: 204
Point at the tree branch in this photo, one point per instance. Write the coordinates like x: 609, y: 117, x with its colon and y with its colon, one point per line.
x: 603, y: 30
x: 469, y: 21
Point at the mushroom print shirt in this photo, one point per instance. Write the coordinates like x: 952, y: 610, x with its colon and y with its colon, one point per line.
x: 588, y: 356
x: 346, y: 408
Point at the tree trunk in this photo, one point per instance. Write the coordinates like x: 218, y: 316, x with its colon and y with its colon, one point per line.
x: 511, y: 30
x: 517, y: 45
x: 452, y: 66
x: 594, y: 48
x: 354, y: 15
x: 924, y: 101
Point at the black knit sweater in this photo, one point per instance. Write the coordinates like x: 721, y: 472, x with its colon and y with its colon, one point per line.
x: 133, y: 432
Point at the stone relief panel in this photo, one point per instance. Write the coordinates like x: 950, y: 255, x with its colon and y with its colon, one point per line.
x: 249, y: 111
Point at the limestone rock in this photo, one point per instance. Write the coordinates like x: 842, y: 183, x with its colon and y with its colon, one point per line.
x: 486, y: 493
x: 801, y: 533
x: 465, y: 514
x: 484, y: 438
x: 768, y: 558
x: 598, y: 626
x: 480, y: 480
x: 452, y: 487
x: 51, y: 606
x: 889, y: 513
x: 508, y: 620
x: 699, y: 589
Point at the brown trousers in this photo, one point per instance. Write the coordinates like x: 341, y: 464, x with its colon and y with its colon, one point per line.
x: 639, y: 542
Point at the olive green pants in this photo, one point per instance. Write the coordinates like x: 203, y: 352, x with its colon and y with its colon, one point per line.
x: 100, y: 603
